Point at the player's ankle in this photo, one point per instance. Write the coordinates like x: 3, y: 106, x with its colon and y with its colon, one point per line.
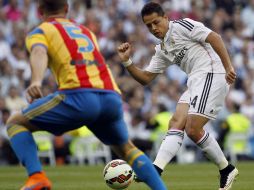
x: 228, y: 169
x: 159, y: 170
x: 34, y: 173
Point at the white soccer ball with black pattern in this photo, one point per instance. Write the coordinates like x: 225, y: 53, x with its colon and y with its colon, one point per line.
x: 118, y: 174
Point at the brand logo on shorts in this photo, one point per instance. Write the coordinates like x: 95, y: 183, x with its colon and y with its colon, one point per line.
x: 212, y: 111
x: 140, y: 164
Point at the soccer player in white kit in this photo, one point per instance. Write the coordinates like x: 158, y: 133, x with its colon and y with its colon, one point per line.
x: 200, y: 53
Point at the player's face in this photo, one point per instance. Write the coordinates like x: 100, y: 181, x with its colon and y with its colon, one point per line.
x: 157, y: 25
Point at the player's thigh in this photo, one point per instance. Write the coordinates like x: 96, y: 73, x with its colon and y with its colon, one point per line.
x: 178, y: 119
x: 111, y: 133
x: 207, y: 94
x: 53, y: 113
x: 110, y: 127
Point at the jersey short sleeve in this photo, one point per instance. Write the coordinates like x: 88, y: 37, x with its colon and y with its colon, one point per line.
x: 158, y: 63
x: 194, y: 30
x: 36, y: 37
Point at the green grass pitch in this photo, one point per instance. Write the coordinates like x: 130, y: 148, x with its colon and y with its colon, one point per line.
x: 176, y: 177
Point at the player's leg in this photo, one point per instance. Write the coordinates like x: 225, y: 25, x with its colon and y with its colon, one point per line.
x: 207, y: 143
x: 23, y: 144
x: 141, y: 164
x: 111, y: 129
x: 174, y: 138
x: 207, y: 93
x: 211, y: 148
x: 20, y: 128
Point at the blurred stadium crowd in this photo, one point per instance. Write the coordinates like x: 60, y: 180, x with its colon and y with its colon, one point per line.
x: 116, y: 21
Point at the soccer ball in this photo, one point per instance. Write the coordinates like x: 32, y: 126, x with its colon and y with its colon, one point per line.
x: 118, y: 174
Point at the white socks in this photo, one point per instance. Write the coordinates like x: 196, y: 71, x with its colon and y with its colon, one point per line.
x: 212, y: 150
x: 169, y: 147
x: 173, y: 141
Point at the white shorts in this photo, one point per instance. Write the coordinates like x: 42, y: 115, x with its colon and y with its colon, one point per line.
x: 205, y: 94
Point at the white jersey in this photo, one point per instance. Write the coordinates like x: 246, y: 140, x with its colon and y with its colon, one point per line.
x: 185, y: 46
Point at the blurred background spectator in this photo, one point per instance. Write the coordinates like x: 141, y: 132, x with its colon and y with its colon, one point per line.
x: 234, y: 134
x: 116, y: 21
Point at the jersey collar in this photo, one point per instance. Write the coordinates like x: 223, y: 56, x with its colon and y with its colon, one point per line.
x: 166, y: 38
x: 50, y: 19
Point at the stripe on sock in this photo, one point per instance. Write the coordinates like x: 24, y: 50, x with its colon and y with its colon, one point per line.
x: 15, y: 129
x: 175, y: 132
x: 132, y: 155
x: 203, y: 139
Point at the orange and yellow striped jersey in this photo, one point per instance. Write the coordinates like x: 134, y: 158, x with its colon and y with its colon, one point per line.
x: 74, y: 56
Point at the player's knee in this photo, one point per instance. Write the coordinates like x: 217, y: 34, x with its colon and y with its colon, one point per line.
x: 14, y: 124
x: 177, y: 123
x: 192, y: 129
x: 131, y: 152
x: 11, y: 121
x: 123, y: 150
x: 127, y: 147
x: 194, y: 126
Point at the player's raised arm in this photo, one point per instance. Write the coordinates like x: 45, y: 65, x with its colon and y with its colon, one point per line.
x: 39, y: 63
x: 218, y: 45
x: 143, y: 77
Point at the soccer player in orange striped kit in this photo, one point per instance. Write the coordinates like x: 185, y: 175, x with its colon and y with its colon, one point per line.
x: 87, y: 95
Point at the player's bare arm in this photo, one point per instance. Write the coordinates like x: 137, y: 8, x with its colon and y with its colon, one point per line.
x: 39, y: 63
x: 218, y: 45
x: 143, y: 77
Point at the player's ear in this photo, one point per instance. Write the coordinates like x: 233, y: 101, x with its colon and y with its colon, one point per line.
x: 40, y: 11
x: 66, y: 8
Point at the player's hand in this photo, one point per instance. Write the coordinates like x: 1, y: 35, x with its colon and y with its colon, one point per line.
x: 124, y: 51
x: 33, y: 92
x: 230, y: 75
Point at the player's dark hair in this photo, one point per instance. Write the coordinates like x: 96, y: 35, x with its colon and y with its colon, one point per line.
x: 151, y: 8
x: 52, y: 6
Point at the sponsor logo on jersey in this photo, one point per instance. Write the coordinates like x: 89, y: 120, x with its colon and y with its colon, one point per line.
x: 85, y: 62
x: 180, y: 56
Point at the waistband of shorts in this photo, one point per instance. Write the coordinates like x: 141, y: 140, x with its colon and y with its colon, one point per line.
x: 78, y: 90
